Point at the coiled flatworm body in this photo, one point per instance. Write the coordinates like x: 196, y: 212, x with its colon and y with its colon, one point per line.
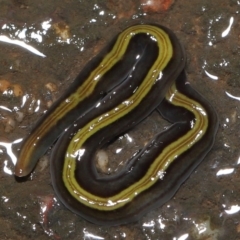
x: 139, y: 71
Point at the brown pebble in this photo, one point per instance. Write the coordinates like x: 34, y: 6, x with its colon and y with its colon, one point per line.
x: 9, y: 123
x: 51, y: 87
x: 4, y: 85
x: 17, y: 90
x: 238, y: 228
x: 63, y: 30
x: 156, y: 6
x: 49, y: 103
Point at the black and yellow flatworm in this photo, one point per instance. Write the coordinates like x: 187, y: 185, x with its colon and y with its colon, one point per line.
x: 139, y: 71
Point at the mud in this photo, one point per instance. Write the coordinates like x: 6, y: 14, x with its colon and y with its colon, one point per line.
x: 69, y: 33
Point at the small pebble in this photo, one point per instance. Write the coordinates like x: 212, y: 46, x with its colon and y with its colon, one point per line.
x: 4, y: 85
x: 63, y: 30
x: 51, y: 87
x: 17, y: 90
x: 49, y: 103
x: 19, y: 116
x: 43, y: 163
x: 238, y: 228
x: 156, y: 6
x: 9, y: 123
x: 14, y: 89
x: 102, y: 161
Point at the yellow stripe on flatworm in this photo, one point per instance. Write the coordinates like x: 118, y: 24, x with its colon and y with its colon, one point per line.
x: 87, y: 88
x: 160, y: 164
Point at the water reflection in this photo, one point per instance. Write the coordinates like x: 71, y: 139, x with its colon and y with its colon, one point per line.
x: 232, y: 96
x: 22, y: 37
x: 213, y: 77
x: 227, y: 30
x: 183, y: 237
x: 25, y: 34
x: 21, y: 44
x: 214, y: 43
x: 9, y: 150
x: 197, y: 229
x: 232, y: 209
x: 225, y: 171
x: 88, y: 235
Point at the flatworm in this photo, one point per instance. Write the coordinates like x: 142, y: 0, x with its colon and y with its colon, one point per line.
x: 140, y: 70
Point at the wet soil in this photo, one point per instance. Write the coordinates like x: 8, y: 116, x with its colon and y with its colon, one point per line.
x: 207, y: 204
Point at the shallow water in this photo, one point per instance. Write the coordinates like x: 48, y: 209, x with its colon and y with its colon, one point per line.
x: 43, y: 47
